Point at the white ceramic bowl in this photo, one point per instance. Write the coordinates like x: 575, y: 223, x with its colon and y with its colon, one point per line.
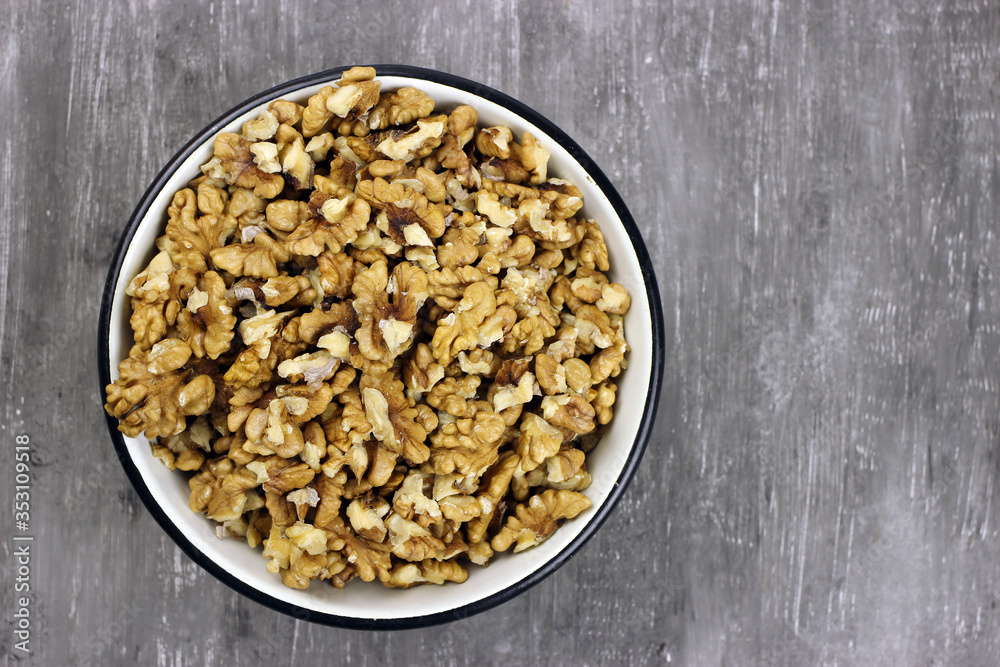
x: 612, y: 463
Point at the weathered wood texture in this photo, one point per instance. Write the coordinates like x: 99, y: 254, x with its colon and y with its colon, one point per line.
x: 819, y: 186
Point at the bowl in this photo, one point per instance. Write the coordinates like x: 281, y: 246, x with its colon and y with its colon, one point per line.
x: 612, y: 463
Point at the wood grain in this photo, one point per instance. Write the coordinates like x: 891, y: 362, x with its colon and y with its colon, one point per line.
x: 819, y: 187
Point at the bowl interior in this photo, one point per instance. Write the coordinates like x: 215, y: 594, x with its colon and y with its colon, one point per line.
x: 507, y: 573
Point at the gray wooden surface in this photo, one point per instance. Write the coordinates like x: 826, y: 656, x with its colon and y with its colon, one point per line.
x: 819, y: 187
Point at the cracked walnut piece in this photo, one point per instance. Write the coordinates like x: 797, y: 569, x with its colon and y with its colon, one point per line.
x: 380, y: 339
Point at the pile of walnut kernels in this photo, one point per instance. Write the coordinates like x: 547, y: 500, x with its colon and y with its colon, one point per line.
x: 378, y: 336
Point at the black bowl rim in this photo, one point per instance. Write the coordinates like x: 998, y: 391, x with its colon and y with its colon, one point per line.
x: 645, y: 426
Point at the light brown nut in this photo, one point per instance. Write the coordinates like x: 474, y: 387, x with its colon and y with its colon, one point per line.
x: 495, y: 142
x: 467, y: 446
x: 578, y: 375
x: 480, y: 553
x: 460, y: 509
x: 538, y: 519
x: 365, y: 514
x: 336, y: 274
x: 320, y: 145
x: 330, y: 490
x: 156, y: 404
x: 246, y: 259
x: 454, y: 396
x: 220, y: 490
x: 448, y: 286
x: 510, y: 170
x: 273, y: 431
x: 400, y: 107
x: 285, y: 215
x: 489, y: 205
x: 514, y: 384
x: 286, y: 112
x: 538, y: 441
x: 411, y: 501
x: 186, y: 450
x: 246, y: 207
x: 296, y: 552
x: 304, y: 402
x: 528, y: 335
x: 603, y: 401
x: 587, y: 285
x: 434, y: 188
x: 167, y: 355
x: 280, y: 290
x: 310, y: 367
x: 386, y: 168
x: 190, y: 237
x: 393, y: 417
x: 614, y: 299
x: 304, y: 499
x: 535, y: 158
x: 422, y: 372
x: 479, y: 362
x: 337, y: 217
x: 564, y: 345
x: 387, y: 309
x: 314, y: 449
x: 411, y: 541
x: 565, y: 470
x: 452, y: 156
x: 592, y: 251
x: 206, y: 324
x: 316, y: 115
x: 284, y: 475
x: 351, y: 427
x: 158, y: 293
x: 418, y: 142
x: 339, y: 318
x: 370, y: 560
x: 570, y: 412
x: 262, y: 334
x: 356, y: 93
x: 547, y: 258
x: 407, y: 575
x: 262, y: 127
x: 561, y: 295
x: 552, y: 375
x: 463, y: 329
x: 610, y: 361
x: 236, y: 166
x: 493, y: 488
x: 502, y: 252
x: 410, y: 218
x: 594, y: 327
x: 564, y: 200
